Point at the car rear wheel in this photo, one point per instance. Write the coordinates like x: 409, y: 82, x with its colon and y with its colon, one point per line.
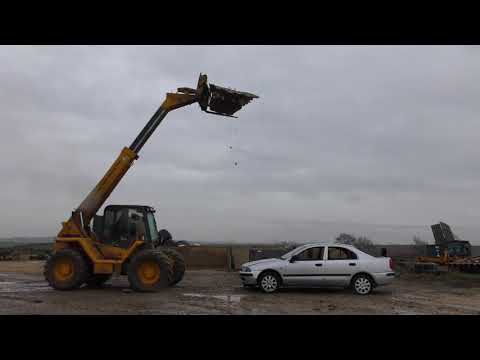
x: 362, y: 284
x: 269, y: 282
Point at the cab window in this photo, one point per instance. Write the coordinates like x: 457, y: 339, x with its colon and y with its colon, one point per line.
x: 152, y: 226
x: 315, y: 253
x: 116, y: 226
x: 136, y: 225
x: 338, y: 253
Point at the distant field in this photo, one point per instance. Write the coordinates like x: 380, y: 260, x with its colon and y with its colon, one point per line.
x: 21, y: 241
x: 7, y: 244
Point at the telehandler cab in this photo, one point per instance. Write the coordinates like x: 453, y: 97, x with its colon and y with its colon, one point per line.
x: 125, y: 240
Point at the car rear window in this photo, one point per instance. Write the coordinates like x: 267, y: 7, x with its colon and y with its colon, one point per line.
x: 338, y: 253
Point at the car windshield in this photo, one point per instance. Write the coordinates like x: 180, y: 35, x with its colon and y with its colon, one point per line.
x: 289, y: 254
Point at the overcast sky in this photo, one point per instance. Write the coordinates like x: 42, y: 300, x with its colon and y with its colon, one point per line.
x: 379, y: 141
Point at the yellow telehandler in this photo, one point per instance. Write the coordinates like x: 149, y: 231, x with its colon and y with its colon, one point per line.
x: 125, y: 240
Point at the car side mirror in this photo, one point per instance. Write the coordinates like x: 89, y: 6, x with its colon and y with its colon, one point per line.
x: 293, y: 258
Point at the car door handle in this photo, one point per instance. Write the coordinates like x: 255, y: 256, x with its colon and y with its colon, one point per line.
x: 352, y: 264
x: 318, y: 264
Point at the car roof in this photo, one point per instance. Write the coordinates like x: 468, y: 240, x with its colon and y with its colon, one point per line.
x: 330, y: 243
x: 327, y: 243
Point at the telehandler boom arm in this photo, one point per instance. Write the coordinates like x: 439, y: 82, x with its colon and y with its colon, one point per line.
x: 219, y: 100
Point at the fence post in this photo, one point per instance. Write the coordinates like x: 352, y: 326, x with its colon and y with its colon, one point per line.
x: 230, y: 260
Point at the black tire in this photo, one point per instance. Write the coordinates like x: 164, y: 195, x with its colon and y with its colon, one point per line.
x: 269, y: 282
x: 178, y: 265
x: 97, y: 280
x: 140, y: 280
x: 75, y: 274
x: 362, y: 284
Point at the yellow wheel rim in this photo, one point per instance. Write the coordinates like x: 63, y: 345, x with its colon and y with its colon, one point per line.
x: 63, y: 269
x: 149, y: 272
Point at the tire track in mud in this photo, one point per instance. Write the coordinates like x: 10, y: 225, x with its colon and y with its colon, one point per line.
x: 422, y: 305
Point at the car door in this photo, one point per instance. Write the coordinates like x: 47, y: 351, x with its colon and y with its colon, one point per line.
x: 306, y: 269
x: 340, y: 264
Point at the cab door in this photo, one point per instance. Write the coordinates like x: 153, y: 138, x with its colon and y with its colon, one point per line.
x: 305, y: 268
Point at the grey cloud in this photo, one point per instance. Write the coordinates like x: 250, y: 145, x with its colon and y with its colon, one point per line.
x: 380, y: 140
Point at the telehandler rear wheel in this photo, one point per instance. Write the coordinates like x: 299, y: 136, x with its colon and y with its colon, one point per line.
x: 150, y: 270
x: 66, y: 270
x: 178, y: 265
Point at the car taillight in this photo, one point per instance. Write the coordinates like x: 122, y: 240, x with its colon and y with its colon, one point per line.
x: 391, y: 263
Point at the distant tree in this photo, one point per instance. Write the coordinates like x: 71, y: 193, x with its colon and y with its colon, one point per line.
x: 345, y: 239
x: 420, y: 245
x: 362, y: 242
x: 418, y: 242
x: 288, y: 244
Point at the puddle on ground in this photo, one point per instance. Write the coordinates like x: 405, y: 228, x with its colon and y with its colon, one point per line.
x: 228, y: 298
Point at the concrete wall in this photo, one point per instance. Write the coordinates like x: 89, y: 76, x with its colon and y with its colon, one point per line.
x: 217, y: 257
x: 223, y: 257
x: 392, y: 250
x: 205, y: 256
x: 240, y: 256
x: 399, y: 250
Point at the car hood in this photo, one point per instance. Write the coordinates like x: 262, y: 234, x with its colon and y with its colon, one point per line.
x: 264, y: 263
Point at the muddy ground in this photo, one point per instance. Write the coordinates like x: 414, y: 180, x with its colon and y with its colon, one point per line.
x: 23, y: 291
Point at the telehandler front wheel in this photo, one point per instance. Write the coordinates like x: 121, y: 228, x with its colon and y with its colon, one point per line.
x: 66, y: 270
x: 178, y: 265
x: 149, y: 271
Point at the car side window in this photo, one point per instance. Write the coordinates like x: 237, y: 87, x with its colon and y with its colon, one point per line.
x: 314, y: 253
x: 338, y: 253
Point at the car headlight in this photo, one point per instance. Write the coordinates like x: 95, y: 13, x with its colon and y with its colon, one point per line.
x: 246, y: 269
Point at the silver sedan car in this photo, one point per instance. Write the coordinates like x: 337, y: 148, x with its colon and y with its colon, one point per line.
x: 314, y: 265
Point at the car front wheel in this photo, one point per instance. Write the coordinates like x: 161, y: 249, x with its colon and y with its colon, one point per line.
x: 362, y: 285
x: 269, y: 282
